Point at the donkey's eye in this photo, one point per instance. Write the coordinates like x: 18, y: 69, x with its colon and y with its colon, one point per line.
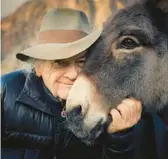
x: 129, y: 43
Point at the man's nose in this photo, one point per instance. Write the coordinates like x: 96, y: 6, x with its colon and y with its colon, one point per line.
x: 72, y: 72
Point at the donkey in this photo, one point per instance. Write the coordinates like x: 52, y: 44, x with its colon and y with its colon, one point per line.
x: 130, y: 59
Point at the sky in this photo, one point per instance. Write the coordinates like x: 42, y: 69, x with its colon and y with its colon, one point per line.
x: 9, y: 6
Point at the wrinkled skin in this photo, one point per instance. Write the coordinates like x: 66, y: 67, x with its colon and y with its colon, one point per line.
x: 129, y: 60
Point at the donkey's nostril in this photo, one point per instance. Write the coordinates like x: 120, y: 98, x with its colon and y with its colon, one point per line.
x: 77, y: 110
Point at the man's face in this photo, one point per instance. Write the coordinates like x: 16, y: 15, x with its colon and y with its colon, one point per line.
x: 59, y: 75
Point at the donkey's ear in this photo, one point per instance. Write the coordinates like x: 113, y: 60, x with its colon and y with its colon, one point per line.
x: 159, y: 10
x: 161, y: 4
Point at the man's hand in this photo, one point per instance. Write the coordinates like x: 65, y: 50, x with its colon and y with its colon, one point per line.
x: 125, y: 115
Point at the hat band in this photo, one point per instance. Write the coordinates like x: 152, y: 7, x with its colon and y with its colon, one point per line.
x: 59, y: 36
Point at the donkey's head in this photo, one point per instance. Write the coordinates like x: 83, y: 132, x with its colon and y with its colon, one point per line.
x: 129, y: 59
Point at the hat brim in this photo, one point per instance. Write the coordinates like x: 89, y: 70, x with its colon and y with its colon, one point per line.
x: 57, y: 51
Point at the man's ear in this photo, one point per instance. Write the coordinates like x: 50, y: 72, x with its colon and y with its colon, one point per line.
x: 38, y: 69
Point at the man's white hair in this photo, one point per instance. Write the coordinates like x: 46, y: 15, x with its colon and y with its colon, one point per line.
x: 30, y: 64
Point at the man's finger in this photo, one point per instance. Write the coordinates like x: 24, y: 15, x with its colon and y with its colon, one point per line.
x: 115, y: 114
x: 125, y: 111
x: 133, y: 102
x: 116, y: 122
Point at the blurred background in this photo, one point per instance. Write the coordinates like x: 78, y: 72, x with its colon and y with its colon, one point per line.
x: 20, y: 22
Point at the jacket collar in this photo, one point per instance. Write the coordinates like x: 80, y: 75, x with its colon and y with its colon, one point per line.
x: 35, y: 95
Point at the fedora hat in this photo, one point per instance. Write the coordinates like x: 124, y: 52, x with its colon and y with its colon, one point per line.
x: 64, y: 33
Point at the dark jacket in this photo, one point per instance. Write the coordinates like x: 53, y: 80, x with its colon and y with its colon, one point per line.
x: 32, y: 127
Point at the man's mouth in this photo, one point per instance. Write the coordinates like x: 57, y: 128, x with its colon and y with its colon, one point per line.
x: 66, y: 83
